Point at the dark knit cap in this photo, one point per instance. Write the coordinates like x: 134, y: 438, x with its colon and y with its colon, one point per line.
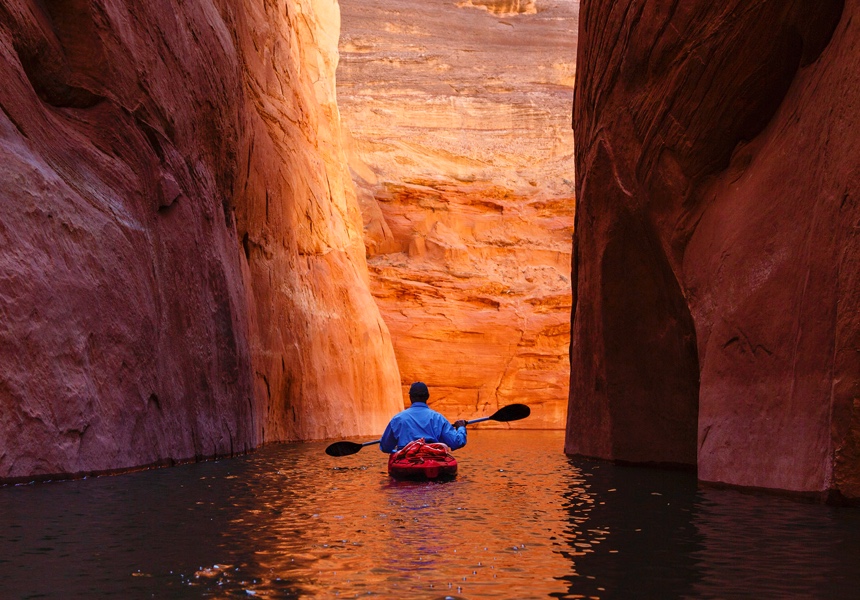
x: 418, y: 392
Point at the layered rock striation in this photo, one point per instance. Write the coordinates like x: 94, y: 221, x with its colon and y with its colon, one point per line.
x: 715, y: 317
x: 182, y: 270
x: 461, y: 151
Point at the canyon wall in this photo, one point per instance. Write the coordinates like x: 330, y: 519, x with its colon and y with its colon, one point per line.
x: 462, y: 154
x: 182, y: 271
x: 715, y: 317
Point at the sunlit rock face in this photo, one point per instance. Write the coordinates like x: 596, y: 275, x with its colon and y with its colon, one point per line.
x: 503, y: 7
x: 181, y: 266
x: 462, y: 153
x: 716, y: 259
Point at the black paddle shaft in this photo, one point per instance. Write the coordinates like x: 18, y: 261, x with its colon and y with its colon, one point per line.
x: 511, y: 412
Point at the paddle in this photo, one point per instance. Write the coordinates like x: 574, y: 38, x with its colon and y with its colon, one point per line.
x: 511, y: 412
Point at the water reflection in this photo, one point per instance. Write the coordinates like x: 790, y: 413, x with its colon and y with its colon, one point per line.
x: 638, y: 539
x: 520, y: 521
x: 654, y: 534
x: 795, y: 549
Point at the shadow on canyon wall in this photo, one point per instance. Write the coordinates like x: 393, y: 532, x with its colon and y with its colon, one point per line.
x: 715, y: 318
x: 182, y: 271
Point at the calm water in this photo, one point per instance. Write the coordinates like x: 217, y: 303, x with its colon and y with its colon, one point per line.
x: 521, y: 521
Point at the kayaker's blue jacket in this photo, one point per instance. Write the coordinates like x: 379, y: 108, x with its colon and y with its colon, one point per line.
x: 420, y: 421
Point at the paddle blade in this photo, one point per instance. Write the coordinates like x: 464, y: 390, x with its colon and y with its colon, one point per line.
x: 511, y: 412
x: 343, y: 448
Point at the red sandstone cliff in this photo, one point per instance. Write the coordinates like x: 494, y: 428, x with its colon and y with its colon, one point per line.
x: 715, y: 257
x: 181, y: 264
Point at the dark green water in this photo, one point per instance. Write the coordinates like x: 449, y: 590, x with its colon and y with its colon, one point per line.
x: 521, y: 521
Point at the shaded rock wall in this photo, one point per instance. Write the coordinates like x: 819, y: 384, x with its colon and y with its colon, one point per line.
x: 460, y: 147
x: 715, y: 258
x: 181, y: 264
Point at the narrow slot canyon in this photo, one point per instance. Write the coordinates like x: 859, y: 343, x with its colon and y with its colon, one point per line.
x: 617, y: 241
x: 192, y: 271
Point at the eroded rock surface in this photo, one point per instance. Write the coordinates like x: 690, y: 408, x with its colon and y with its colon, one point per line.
x: 181, y: 265
x: 716, y: 257
x: 461, y: 150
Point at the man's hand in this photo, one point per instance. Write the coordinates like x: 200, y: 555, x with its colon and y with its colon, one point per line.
x: 460, y: 423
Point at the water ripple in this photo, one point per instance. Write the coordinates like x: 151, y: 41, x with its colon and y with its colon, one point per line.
x: 520, y: 521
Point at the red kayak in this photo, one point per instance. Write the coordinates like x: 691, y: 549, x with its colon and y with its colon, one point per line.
x: 421, y: 461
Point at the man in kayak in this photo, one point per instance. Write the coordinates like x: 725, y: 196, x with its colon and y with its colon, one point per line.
x: 420, y: 421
